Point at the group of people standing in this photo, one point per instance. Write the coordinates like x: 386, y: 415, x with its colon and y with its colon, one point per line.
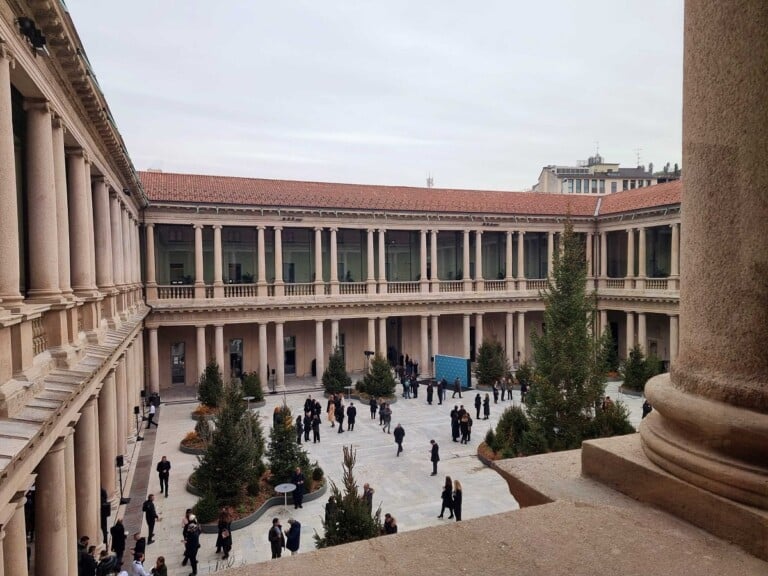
x: 451, y: 498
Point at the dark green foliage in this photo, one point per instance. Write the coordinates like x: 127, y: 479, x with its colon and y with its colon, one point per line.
x: 317, y: 472
x: 233, y: 459
x: 492, y: 364
x: 335, y: 377
x: 210, y: 387
x: 252, y: 386
x: 203, y: 430
x: 284, y: 453
x: 570, y: 372
x: 512, y: 425
x: 379, y: 381
x: 607, y: 354
x: 613, y: 420
x: 524, y: 373
x: 351, y: 521
x: 490, y: 440
x: 207, y: 508
x: 636, y: 370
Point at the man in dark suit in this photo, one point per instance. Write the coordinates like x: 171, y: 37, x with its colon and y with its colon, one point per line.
x: 434, y: 457
x: 298, y: 494
x: 150, y: 515
x: 164, y: 473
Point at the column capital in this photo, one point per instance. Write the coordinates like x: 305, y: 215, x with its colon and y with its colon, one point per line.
x: 196, y: 226
x: 7, y: 54
x: 381, y: 230
x: 478, y: 232
x: 217, y: 226
x: 334, y: 229
x: 37, y: 104
x: 521, y: 232
x: 147, y: 224
x: 277, y: 228
x: 261, y: 227
x: 278, y: 322
x: 319, y: 228
x: 58, y: 122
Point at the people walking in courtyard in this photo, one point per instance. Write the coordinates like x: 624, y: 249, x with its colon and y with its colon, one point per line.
x: 299, y: 429
x: 374, y: 405
x: 164, y: 473
x: 224, y: 533
x: 430, y: 392
x: 192, y: 542
x: 434, y: 456
x: 297, y: 478
x: 151, y: 415
x: 478, y: 405
x: 351, y: 416
x: 414, y: 386
x: 331, y: 410
x: 399, y: 435
x: 159, y: 569
x: 455, y: 424
x: 339, y: 412
x: 486, y: 406
x: 315, y: 428
x: 118, y: 540
x: 150, y: 515
x: 387, y: 413
x: 464, y: 427
x: 138, y: 566
x: 458, y: 494
x: 496, y: 389
x: 446, y: 498
x: 440, y: 391
x: 307, y: 424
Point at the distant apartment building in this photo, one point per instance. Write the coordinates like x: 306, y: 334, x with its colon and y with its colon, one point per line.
x: 595, y: 176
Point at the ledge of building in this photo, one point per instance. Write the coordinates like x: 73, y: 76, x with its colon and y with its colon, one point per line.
x: 581, y: 527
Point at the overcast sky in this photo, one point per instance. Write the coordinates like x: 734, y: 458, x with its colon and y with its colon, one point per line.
x: 480, y: 94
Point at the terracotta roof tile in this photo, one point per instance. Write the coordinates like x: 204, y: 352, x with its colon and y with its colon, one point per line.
x: 665, y: 194
x: 201, y: 189
x: 198, y: 189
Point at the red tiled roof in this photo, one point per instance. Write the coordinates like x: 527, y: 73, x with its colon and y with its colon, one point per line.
x: 665, y: 194
x: 201, y: 189
x: 198, y: 189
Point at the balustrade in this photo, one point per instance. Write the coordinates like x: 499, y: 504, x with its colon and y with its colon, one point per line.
x: 240, y: 290
x: 537, y: 284
x: 352, y: 288
x: 656, y: 284
x: 495, y: 285
x: 302, y: 289
x: 175, y: 292
x: 451, y: 286
x: 39, y: 337
x: 403, y: 287
x: 615, y: 283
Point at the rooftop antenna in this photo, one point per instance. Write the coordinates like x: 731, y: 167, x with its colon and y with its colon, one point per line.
x: 430, y: 181
x: 597, y: 147
x: 637, y: 153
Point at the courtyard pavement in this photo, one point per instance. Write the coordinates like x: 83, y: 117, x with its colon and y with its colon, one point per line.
x: 403, y: 485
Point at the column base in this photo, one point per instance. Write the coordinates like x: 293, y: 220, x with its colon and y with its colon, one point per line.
x: 434, y: 286
x: 279, y: 288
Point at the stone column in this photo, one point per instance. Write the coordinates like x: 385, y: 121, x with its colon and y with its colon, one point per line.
x: 334, y: 333
x: 370, y: 268
x: 218, y: 347
x: 218, y: 282
x: 509, y: 336
x: 479, y: 282
x: 465, y: 349
x: 334, y: 262
x: 319, y: 280
x: 116, y: 226
x: 435, y: 319
x: 603, y: 260
x: 79, y: 247
x: 382, y: 261
x: 102, y: 233
x: 424, y: 363
x: 630, y: 331
x: 9, y: 223
x: 467, y: 279
x: 710, y: 418
x: 91, y: 224
x: 423, y: 280
x: 603, y: 320
x: 319, y: 351
x: 641, y: 332
x: 127, y: 253
x: 41, y: 205
x: 62, y: 208
x: 107, y: 434
x: 154, y: 362
x: 71, y: 502
x: 279, y: 355
x: 521, y: 260
x: 550, y: 254
x: 88, y: 490
x: 521, y: 352
x: 589, y: 254
x: 434, y: 277
x: 674, y: 275
x: 629, y: 281
x: 279, y: 284
x: 382, y: 350
x: 199, y: 272
x: 14, y: 543
x: 641, y: 260
x: 150, y: 263
x: 261, y: 262
x: 263, y: 373
x: 51, y: 535
x: 478, y: 330
x: 673, y: 339
x: 121, y: 385
x: 371, y: 335
x: 508, y: 276
x: 202, y: 357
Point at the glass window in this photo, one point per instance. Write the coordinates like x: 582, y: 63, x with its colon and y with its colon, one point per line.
x: 578, y: 186
x: 594, y: 186
x: 602, y: 186
x: 625, y: 184
x: 614, y: 186
x: 632, y: 184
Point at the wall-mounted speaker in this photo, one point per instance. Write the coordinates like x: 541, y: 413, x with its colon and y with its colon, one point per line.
x: 119, y: 461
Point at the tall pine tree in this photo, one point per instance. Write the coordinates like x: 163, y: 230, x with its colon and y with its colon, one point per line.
x: 570, y: 372
x: 492, y: 363
x: 284, y: 453
x: 335, y: 377
x: 379, y: 380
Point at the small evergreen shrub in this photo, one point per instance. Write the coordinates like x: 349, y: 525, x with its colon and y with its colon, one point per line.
x: 206, y: 509
x: 210, y: 387
x: 252, y: 386
x: 335, y: 377
x: 379, y: 381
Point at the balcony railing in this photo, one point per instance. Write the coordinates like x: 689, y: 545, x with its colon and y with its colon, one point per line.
x: 656, y: 284
x: 175, y: 292
x: 353, y: 288
x: 303, y: 289
x: 240, y: 291
x: 403, y: 287
x: 451, y: 285
x: 536, y: 284
x: 615, y: 283
x: 39, y: 337
x: 495, y: 285
x: 209, y: 291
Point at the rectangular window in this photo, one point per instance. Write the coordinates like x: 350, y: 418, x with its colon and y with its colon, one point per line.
x: 625, y: 184
x: 602, y: 186
x: 578, y: 186
x: 594, y: 186
x: 614, y: 186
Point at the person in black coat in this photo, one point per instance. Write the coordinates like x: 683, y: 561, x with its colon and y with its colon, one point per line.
x: 164, y: 473
x: 351, y: 416
x: 224, y: 536
x: 315, y: 428
x: 478, y: 405
x: 486, y: 406
x: 150, y: 515
x: 298, y: 479
x: 455, y: 424
x: 276, y: 538
x: 447, y: 498
x: 457, y: 497
x: 307, y: 425
x: 374, y: 407
x: 299, y: 429
x: 434, y: 456
x: 339, y: 413
x: 118, y: 539
x: 293, y: 536
x: 430, y: 392
x: 192, y: 542
x: 399, y: 435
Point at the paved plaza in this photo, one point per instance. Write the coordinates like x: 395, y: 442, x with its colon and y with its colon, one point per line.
x: 403, y: 485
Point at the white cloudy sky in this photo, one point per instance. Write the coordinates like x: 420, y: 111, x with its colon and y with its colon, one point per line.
x: 481, y: 94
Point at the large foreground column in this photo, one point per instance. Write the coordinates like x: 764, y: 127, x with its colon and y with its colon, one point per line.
x: 107, y: 434
x: 51, y: 538
x: 710, y: 420
x: 87, y: 471
x: 15, y: 542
